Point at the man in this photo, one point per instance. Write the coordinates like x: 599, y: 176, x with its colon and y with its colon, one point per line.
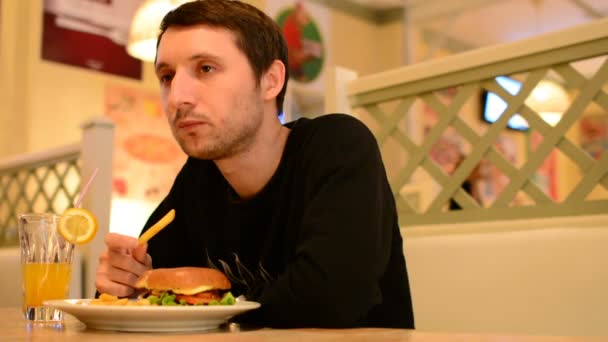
x: 299, y: 217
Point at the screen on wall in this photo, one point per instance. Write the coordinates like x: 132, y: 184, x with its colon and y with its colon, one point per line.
x: 493, y: 106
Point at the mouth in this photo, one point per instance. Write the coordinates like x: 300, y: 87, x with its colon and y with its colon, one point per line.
x: 188, y: 125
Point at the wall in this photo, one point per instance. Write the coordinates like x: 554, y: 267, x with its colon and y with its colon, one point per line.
x: 391, y: 48
x: 43, y: 103
x: 12, y: 85
x: 364, y: 46
x: 58, y: 95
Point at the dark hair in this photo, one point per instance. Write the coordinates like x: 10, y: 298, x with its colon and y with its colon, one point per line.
x: 257, y: 35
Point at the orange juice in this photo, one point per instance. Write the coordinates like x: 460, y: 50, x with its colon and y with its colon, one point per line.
x: 45, y: 281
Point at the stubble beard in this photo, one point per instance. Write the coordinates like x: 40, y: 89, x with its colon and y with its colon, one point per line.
x: 233, y: 139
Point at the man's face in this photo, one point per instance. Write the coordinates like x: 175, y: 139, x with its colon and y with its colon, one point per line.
x: 211, y: 99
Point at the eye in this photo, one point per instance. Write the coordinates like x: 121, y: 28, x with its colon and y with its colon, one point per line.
x: 207, y: 68
x: 165, y: 78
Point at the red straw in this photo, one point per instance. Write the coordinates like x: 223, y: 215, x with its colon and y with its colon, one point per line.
x: 86, y: 188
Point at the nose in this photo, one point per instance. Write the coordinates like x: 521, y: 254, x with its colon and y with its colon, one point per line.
x: 182, y: 91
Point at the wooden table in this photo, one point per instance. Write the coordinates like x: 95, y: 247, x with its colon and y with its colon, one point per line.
x: 14, y: 328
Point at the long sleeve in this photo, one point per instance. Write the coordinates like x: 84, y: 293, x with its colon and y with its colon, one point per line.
x: 344, y: 238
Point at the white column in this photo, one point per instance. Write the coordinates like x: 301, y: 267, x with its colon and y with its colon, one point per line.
x: 97, y: 149
x: 410, y: 38
x: 336, y: 95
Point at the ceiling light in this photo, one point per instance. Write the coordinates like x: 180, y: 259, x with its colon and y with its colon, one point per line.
x: 145, y: 27
x: 549, y: 100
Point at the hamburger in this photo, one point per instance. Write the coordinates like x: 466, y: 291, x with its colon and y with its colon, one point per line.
x: 185, y: 286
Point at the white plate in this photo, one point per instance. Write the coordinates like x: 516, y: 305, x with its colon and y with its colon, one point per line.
x: 150, y: 318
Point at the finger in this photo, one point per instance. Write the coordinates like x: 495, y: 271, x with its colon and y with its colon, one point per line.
x: 125, y: 262
x: 104, y: 285
x: 120, y: 242
x: 116, y: 275
x: 103, y: 258
x: 139, y: 253
x: 148, y: 261
x: 104, y: 282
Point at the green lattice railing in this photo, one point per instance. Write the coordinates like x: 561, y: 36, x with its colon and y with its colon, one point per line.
x: 44, y: 183
x: 395, y: 105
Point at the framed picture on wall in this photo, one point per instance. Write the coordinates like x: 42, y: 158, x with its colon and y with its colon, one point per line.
x: 448, y: 151
x: 594, y: 134
x: 487, y: 180
x: 90, y: 34
x: 305, y: 26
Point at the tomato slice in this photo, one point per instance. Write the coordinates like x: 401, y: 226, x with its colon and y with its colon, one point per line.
x: 199, y: 298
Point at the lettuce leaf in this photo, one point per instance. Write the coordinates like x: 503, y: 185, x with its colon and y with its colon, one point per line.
x: 168, y: 299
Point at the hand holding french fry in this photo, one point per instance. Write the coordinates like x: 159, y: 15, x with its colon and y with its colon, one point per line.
x: 125, y: 259
x: 121, y: 264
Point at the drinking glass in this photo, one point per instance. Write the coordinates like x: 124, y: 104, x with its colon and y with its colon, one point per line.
x: 46, y: 264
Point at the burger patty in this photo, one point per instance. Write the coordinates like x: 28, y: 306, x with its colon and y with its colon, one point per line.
x: 199, y: 298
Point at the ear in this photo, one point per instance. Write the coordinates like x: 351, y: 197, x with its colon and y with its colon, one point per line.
x: 273, y: 80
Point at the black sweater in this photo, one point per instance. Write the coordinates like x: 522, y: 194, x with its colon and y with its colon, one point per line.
x: 318, y: 246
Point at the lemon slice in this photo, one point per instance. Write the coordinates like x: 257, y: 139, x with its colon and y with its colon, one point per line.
x: 78, y: 226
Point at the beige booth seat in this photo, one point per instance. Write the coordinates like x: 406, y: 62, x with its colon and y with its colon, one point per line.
x: 545, y: 277
x: 10, y: 286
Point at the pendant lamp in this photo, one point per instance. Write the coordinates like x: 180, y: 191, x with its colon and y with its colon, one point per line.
x: 549, y: 100
x: 145, y: 28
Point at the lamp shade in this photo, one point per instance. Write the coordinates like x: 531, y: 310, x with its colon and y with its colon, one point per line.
x: 145, y: 28
x: 549, y: 100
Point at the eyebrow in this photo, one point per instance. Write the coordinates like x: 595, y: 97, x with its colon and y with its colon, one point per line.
x: 194, y: 57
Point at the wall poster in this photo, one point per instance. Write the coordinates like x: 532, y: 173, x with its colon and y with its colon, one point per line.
x: 594, y: 134
x: 546, y: 174
x: 90, y: 34
x: 305, y: 27
x: 486, y: 181
x: 146, y: 157
x: 449, y: 150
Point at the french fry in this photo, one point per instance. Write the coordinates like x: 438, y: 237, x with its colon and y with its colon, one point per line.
x: 157, y: 227
x: 106, y: 299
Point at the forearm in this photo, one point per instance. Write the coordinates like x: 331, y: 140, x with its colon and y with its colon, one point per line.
x: 305, y: 296
x: 342, y: 251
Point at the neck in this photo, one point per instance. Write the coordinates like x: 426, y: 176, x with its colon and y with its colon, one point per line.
x: 250, y: 170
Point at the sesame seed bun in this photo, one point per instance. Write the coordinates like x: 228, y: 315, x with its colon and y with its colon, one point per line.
x: 183, y: 280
